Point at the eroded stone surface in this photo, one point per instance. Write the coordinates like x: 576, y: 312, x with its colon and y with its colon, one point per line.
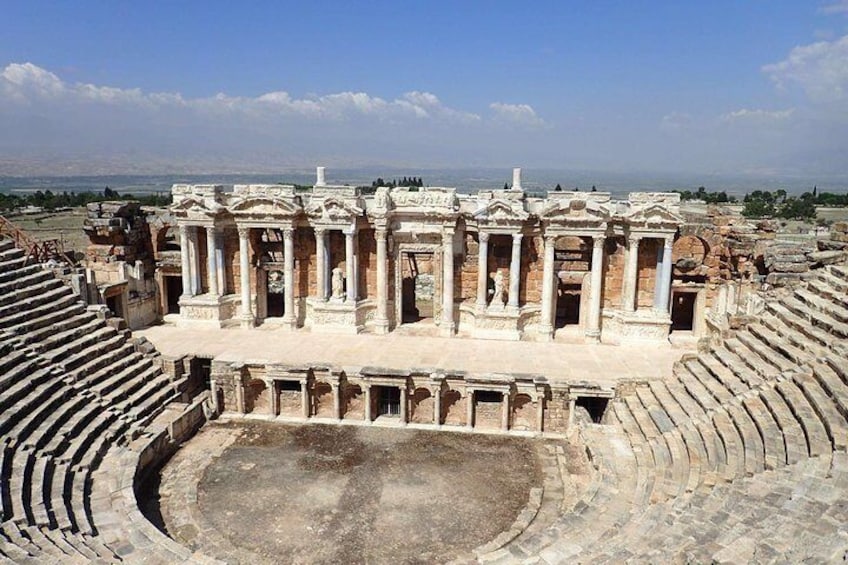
x: 323, y: 494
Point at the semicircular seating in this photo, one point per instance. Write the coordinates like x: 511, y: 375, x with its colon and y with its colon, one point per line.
x: 741, y: 456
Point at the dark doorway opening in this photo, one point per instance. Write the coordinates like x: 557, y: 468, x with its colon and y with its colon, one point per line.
x: 173, y: 291
x: 595, y: 406
x: 488, y: 396
x: 388, y: 401
x: 204, y: 370
x: 568, y: 305
x: 289, y: 386
x: 683, y: 311
x: 276, y: 305
x: 417, y: 287
x: 114, y: 304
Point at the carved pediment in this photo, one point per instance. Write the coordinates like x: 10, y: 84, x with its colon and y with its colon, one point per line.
x: 264, y: 206
x: 502, y: 212
x: 575, y: 210
x: 333, y: 209
x: 654, y: 215
x: 194, y: 205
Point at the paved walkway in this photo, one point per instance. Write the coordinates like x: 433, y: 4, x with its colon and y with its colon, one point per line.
x: 601, y: 364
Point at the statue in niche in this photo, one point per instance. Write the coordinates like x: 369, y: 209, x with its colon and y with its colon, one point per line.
x: 338, y: 284
x: 498, y: 297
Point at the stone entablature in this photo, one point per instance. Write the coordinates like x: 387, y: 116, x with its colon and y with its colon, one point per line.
x: 347, y: 257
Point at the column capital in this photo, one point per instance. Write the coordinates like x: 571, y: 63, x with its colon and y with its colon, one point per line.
x: 349, y: 231
x: 634, y: 238
x: 243, y: 231
x: 516, y: 237
x: 288, y: 233
x: 550, y: 239
x: 668, y: 241
x: 381, y: 232
x: 598, y: 241
x: 320, y: 231
x: 483, y: 236
x: 183, y: 229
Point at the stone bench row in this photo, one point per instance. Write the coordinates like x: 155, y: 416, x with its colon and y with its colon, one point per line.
x: 72, y: 388
x: 792, y: 514
x: 600, y: 508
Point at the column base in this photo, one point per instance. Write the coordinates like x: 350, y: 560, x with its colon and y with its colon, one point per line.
x: 247, y: 322
x: 381, y: 327
x: 289, y: 323
x: 447, y: 329
x: 545, y: 333
x: 593, y: 336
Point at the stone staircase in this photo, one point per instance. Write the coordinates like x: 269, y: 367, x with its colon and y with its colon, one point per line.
x: 74, y: 395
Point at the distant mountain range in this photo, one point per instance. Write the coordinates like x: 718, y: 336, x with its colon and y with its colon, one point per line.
x: 465, y: 180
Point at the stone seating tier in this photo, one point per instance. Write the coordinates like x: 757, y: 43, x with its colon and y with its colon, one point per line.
x: 73, y: 388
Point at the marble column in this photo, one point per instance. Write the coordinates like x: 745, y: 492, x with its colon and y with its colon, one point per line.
x: 321, y: 260
x: 448, y: 325
x: 381, y: 321
x: 219, y: 260
x: 540, y: 412
x: 213, y: 391
x: 658, y: 280
x: 288, y: 275
x: 304, y: 398
x: 367, y: 391
x: 194, y: 261
x: 665, y: 287
x: 631, y: 274
x: 437, y: 406
x: 337, y: 400
x: 482, y: 269
x: 546, y: 326
x: 515, y: 270
x: 185, y: 261
x: 211, y: 261
x: 593, y: 330
x: 469, y: 408
x: 350, y: 266
x: 505, y: 411
x: 244, y: 268
x: 272, y: 397
x: 404, y: 404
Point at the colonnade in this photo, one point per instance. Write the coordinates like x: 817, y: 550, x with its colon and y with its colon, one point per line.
x: 215, y: 283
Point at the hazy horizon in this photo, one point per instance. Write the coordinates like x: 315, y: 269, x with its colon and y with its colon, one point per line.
x: 754, y: 90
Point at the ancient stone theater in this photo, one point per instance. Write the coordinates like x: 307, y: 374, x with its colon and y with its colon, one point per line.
x: 332, y: 373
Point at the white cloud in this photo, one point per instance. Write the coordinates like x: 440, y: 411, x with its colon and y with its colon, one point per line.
x: 840, y: 7
x: 820, y: 69
x: 675, y: 122
x: 30, y: 84
x: 757, y: 115
x: 516, y: 114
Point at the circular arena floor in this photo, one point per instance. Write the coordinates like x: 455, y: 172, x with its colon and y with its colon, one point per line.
x: 251, y: 492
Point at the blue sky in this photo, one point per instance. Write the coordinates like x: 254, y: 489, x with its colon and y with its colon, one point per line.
x: 757, y: 87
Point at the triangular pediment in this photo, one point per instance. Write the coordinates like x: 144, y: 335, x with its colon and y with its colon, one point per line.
x: 334, y: 209
x: 265, y: 206
x: 654, y: 214
x: 195, y: 205
x: 575, y: 210
x: 501, y: 211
